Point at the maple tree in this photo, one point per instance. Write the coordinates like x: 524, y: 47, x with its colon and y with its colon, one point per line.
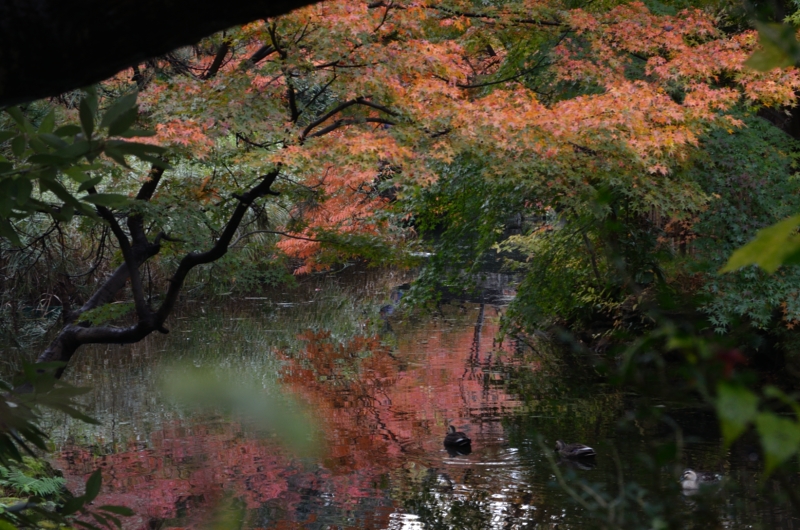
x: 344, y: 106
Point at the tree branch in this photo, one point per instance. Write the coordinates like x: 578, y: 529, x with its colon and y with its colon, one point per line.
x: 321, y: 91
x: 221, y: 54
x: 136, y: 222
x: 348, y: 121
x: 276, y: 232
x: 142, y: 311
x: 219, y: 249
x: 261, y: 54
x: 513, y: 20
x: 341, y: 107
x: 72, y: 335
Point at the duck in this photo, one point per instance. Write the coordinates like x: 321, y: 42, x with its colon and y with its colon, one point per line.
x: 455, y: 438
x: 692, y: 480
x: 584, y: 464
x: 574, y: 450
x: 458, y: 450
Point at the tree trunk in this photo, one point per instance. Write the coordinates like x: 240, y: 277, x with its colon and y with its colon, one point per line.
x: 137, y: 249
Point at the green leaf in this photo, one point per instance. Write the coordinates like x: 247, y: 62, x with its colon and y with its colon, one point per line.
x: 118, y: 108
x: 87, y: 117
x: 113, y: 519
x: 93, y: 486
x: 774, y: 392
x: 59, y: 191
x: 90, y: 183
x: 66, y: 212
x: 736, y: 408
x: 53, y: 140
x: 22, y: 188
x: 85, y: 524
x: 7, y: 231
x: 123, y: 122
x: 18, y: 145
x: 67, y: 130
x: 48, y: 123
x: 116, y: 156
x: 135, y: 148
x: 76, y: 173
x: 38, y: 145
x: 772, y: 247
x: 47, y: 160
x: 780, y: 438
x: 18, y: 117
x: 109, y: 200
x: 99, y: 518
x: 5, y: 135
x: 91, y: 98
x: 75, y: 150
x: 133, y: 133
x: 779, y: 47
x: 5, y: 198
x: 119, y: 510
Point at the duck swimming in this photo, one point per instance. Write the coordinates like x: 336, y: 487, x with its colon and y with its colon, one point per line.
x: 691, y: 479
x: 574, y: 450
x: 456, y: 438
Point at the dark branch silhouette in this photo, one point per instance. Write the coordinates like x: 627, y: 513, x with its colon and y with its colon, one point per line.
x: 50, y: 46
x: 136, y: 249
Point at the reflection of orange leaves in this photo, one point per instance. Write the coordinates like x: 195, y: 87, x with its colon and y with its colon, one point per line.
x: 156, y: 481
x: 364, y: 395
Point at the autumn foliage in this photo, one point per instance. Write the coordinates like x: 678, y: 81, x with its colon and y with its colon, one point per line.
x: 346, y: 95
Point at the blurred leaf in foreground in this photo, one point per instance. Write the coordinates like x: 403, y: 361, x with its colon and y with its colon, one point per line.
x: 772, y: 247
x: 262, y: 405
x: 779, y: 47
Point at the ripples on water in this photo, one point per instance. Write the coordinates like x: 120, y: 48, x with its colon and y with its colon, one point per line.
x: 381, y: 400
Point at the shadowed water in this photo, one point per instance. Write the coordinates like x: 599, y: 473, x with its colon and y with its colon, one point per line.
x: 379, y: 393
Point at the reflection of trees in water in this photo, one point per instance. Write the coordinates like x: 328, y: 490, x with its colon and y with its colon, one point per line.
x: 379, y: 406
x: 445, y: 510
x: 388, y: 402
x: 383, y: 410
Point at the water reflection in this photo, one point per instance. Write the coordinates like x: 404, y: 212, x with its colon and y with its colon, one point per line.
x: 382, y: 398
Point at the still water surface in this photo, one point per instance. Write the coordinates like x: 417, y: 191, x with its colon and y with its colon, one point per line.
x: 379, y: 395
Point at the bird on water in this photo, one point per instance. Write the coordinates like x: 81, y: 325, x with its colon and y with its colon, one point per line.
x: 456, y: 438
x: 691, y: 479
x: 574, y: 450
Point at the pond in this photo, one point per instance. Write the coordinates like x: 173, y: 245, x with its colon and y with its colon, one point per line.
x: 331, y: 414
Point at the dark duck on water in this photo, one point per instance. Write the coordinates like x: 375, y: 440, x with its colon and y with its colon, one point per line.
x: 574, y: 450
x: 456, y: 438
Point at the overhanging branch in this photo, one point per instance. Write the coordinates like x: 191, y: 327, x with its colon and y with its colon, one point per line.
x: 357, y: 101
x: 219, y: 249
